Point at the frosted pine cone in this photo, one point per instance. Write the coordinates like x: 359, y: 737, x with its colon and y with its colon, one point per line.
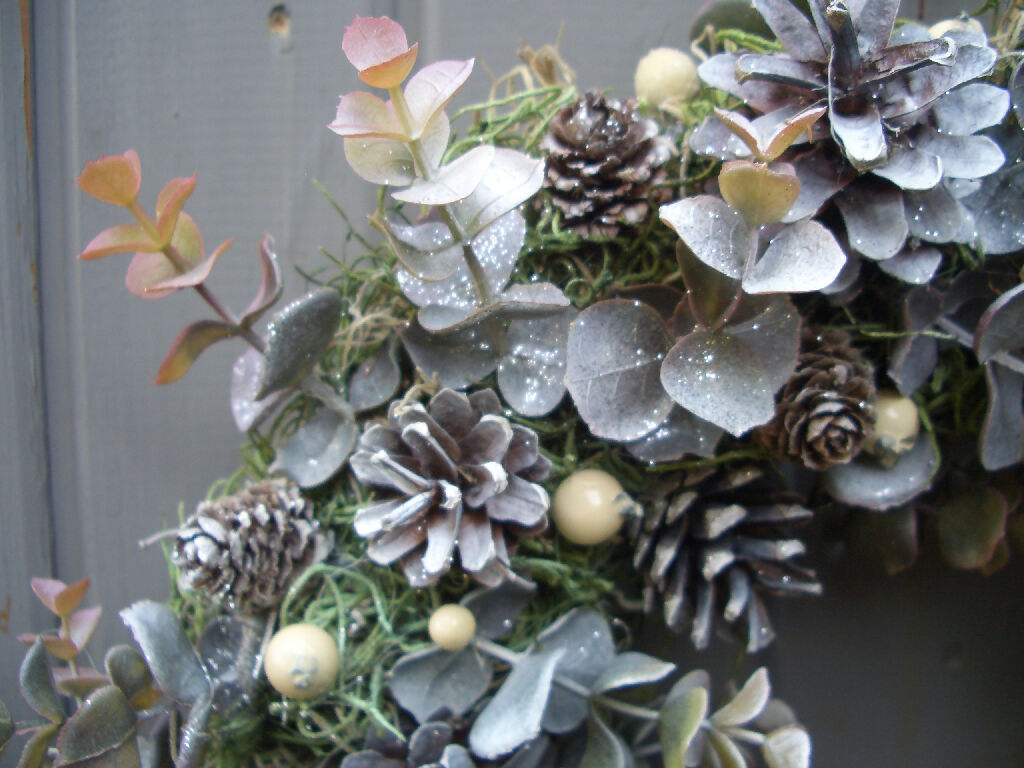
x: 719, y: 542
x: 466, y: 479
x: 244, y: 550
x: 826, y: 410
x: 603, y: 163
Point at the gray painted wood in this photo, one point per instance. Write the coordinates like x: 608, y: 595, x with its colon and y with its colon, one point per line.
x: 920, y: 667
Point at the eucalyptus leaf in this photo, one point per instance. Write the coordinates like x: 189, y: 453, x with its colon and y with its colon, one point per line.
x: 747, y: 704
x: 865, y: 483
x: 169, y: 654
x: 511, y: 179
x: 720, y: 72
x: 716, y: 233
x: 427, y: 681
x: 1002, y: 433
x: 964, y: 157
x: 246, y: 374
x: 496, y: 609
x: 34, y: 752
x: 971, y: 108
x: 628, y: 669
x: 793, y: 29
x: 681, y: 434
x: 615, y: 352
x: 318, y: 448
x: 381, y: 161
x: 914, y: 265
x: 780, y: 69
x: 1001, y: 328
x: 679, y: 723
x: 709, y: 293
x: 787, y: 747
x: 998, y: 206
x: 860, y: 135
x: 970, y: 525
x: 36, y: 684
x: 873, y: 214
x: 605, y: 748
x: 102, y: 724
x: 228, y: 648
x: 713, y: 138
x: 456, y: 756
x: 458, y: 359
x: 376, y: 380
x: 914, y: 356
x: 933, y: 215
x: 725, y: 749
x: 1017, y: 92
x: 821, y: 176
x: 514, y: 715
x: 451, y: 182
x: 427, y: 251
x: 803, y: 257
x: 760, y: 194
x: 910, y: 168
x: 297, y: 338
x: 532, y: 372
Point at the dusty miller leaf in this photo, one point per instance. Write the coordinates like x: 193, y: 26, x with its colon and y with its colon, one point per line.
x: 169, y: 654
x: 427, y: 681
x: 297, y: 338
x: 36, y: 684
x: 318, y: 448
x: 101, y: 725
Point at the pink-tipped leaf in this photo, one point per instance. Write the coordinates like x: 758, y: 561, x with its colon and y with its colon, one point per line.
x: 123, y: 238
x: 378, y: 48
x: 58, y: 597
x: 188, y: 346
x: 169, y: 203
x: 114, y: 179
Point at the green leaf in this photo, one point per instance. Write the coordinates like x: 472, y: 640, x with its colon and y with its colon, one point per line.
x: 297, y: 338
x: 37, y: 684
x: 188, y: 346
x: 34, y: 753
x: 605, y: 748
x: 725, y: 748
x: 969, y: 526
x: 102, y: 724
x: 318, y: 449
x: 748, y: 703
x: 890, y: 536
x: 762, y: 195
x: 79, y: 684
x: 128, y: 670
x: 679, y: 723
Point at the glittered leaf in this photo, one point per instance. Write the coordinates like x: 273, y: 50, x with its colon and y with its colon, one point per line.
x: 1002, y: 433
x: 458, y: 359
x: 123, y: 238
x: 911, y: 168
x: 189, y: 344
x: 821, y: 176
x: 452, y: 182
x: 628, y: 669
x: 713, y: 138
x: 511, y: 179
x: 381, y: 161
x: 998, y: 206
x: 496, y: 609
x: 1001, y: 328
x: 789, y: 131
x: 933, y: 215
x: 169, y: 203
x: 681, y: 434
x: 297, y: 338
x: 803, y: 257
x: 427, y: 681
x: 761, y: 194
x: 170, y: 656
x: 376, y: 379
x: 103, y: 723
x: 270, y: 285
x: 604, y: 748
x: 964, y: 157
x: 114, y: 179
x: 613, y: 369
x: 865, y: 483
x: 34, y: 753
x: 430, y: 89
x: 716, y: 234
x: 747, y: 704
x: 780, y: 69
x: 228, y: 649
x: 318, y: 448
x: 428, y: 251
x: 787, y: 747
x: 128, y: 671
x: 514, y: 715
x: 679, y: 724
x: 60, y: 598
x: 37, y: 684
x: 246, y: 374
x: 531, y: 375
x: 362, y: 114
x: 873, y: 213
x: 969, y: 525
x: 914, y: 265
x: 972, y: 108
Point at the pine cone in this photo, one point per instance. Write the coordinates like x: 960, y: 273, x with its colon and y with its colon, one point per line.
x: 465, y: 479
x: 721, y: 532
x: 603, y: 160
x: 826, y: 410
x: 244, y: 550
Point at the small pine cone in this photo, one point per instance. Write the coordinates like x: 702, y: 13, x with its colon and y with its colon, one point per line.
x: 718, y: 542
x: 464, y: 479
x: 603, y: 160
x: 826, y: 411
x: 244, y: 550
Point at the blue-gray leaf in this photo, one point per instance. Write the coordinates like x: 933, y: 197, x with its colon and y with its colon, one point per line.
x: 297, y: 338
x: 170, y: 656
x: 803, y: 257
x: 679, y: 435
x: 1001, y: 328
x: 716, y: 234
x: 630, y: 668
x: 865, y: 483
x: 605, y: 748
x: 531, y: 374
x: 318, y: 449
x: 427, y: 681
x: 376, y: 379
x: 458, y: 359
x: 496, y: 609
x: 873, y: 213
x: 1002, y: 433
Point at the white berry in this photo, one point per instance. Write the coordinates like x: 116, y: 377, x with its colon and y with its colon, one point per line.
x: 452, y: 627
x: 301, y: 661
x: 666, y: 75
x: 897, y: 425
x: 589, y: 507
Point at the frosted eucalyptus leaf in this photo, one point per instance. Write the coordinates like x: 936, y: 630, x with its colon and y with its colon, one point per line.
x: 972, y: 108
x: 381, y: 161
x: 431, y: 88
x: 101, y: 731
x: 803, y: 257
x: 427, y: 681
x: 605, y: 748
x: 531, y: 374
x: 497, y: 609
x: 510, y: 179
x: 376, y: 379
x: 713, y: 138
x: 873, y: 214
x: 716, y: 234
x: 969, y: 525
x: 246, y: 374
x: 1017, y: 92
x: 933, y: 215
x: 916, y: 266
x: 914, y: 356
x: 679, y: 723
x: 964, y: 157
x: 709, y: 293
x: 772, y: 325
x: 297, y: 338
x: 228, y: 648
x: 458, y: 359
x: 1002, y: 433
x: 451, y: 182
x: 519, y: 301
x: 787, y: 747
x: 169, y: 654
x: 428, y: 251
x: 318, y: 448
x: 1001, y: 328
x: 127, y: 670
x: 514, y: 715
x: 821, y: 176
x: 628, y: 669
x: 919, y: 88
x: 911, y: 168
x: 793, y: 29
x: 865, y: 483
x: 762, y: 195
x: 747, y: 704
x: 998, y: 206
x: 612, y: 370
x: 270, y: 285
x: 36, y: 684
x: 861, y: 136
x: 681, y: 434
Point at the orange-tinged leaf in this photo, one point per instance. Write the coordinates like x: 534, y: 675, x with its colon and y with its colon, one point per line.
x: 373, y: 40
x: 390, y: 73
x: 742, y: 127
x: 123, y: 238
x: 59, y: 597
x: 761, y: 194
x: 789, y: 131
x: 188, y: 346
x: 113, y: 179
x: 169, y: 203
x: 187, y: 241
x: 151, y: 279
x: 60, y: 647
x: 82, y: 624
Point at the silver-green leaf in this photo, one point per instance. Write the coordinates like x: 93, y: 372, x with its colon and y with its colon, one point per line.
x: 427, y: 681
x: 169, y: 654
x: 297, y: 338
x: 318, y: 449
